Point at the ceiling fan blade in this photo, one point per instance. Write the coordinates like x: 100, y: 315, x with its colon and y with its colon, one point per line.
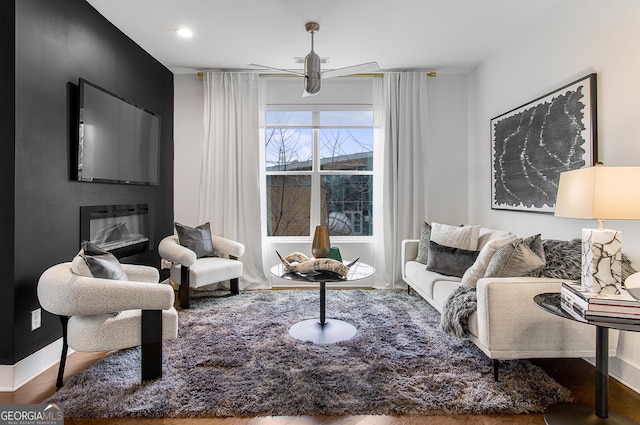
x: 349, y: 70
x: 288, y: 71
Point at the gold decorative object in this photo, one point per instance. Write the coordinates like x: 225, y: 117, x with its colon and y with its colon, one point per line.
x: 321, y: 245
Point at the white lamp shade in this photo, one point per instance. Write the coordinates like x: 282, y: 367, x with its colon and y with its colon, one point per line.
x: 600, y: 192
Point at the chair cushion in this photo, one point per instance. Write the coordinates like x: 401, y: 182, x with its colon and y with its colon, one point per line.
x: 106, y: 332
x: 93, y: 261
x: 209, y: 270
x: 197, y: 239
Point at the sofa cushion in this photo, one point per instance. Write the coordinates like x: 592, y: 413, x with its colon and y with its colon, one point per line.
x: 449, y: 261
x: 479, y: 267
x: 442, y: 289
x: 517, y: 258
x: 423, y: 245
x: 422, y: 280
x: 464, y: 237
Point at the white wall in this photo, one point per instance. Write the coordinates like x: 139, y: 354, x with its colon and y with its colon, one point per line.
x: 574, y: 38
x: 447, y: 149
x: 188, y: 134
x: 446, y: 161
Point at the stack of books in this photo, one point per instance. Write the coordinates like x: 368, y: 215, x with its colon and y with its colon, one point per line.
x: 618, y: 308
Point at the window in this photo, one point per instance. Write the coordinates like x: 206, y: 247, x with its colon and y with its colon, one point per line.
x: 319, y: 169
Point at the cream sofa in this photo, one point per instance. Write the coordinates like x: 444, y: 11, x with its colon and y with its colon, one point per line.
x: 507, y: 324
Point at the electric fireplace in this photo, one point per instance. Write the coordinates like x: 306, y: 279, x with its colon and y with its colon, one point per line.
x: 123, y: 230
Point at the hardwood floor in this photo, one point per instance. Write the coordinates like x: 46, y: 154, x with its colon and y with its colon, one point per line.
x: 575, y: 374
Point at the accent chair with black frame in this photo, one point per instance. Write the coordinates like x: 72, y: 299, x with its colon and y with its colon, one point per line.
x: 100, y: 315
x: 190, y: 270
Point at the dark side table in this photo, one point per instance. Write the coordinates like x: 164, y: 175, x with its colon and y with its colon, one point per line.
x: 574, y: 413
x: 324, y: 330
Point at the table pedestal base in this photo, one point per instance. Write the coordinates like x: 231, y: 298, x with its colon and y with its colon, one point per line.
x: 332, y: 331
x: 572, y: 413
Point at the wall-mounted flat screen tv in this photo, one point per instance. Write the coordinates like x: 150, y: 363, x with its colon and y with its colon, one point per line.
x: 118, y: 141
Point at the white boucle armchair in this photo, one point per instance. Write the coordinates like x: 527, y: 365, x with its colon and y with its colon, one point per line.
x: 191, y: 272
x: 102, y: 314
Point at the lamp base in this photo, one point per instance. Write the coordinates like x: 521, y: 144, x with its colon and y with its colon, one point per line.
x: 601, y: 260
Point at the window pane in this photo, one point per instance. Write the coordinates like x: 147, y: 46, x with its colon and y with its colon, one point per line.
x: 346, y: 149
x: 289, y: 118
x: 288, y: 149
x: 346, y: 118
x: 288, y: 205
x: 348, y: 204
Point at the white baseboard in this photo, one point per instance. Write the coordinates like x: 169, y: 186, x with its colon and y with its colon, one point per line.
x: 625, y: 372
x: 14, y: 376
x: 622, y: 371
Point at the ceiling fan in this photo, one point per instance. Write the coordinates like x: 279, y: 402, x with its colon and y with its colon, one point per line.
x: 312, y: 73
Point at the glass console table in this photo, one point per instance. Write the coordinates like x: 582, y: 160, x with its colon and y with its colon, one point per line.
x: 574, y: 413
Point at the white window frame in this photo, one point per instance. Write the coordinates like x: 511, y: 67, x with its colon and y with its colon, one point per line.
x: 316, y: 173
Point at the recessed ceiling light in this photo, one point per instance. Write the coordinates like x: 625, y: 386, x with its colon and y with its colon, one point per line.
x: 184, y: 32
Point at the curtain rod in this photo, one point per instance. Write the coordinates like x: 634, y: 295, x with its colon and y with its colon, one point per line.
x: 379, y: 74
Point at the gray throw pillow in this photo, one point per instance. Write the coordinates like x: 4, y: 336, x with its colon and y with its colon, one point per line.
x: 423, y: 245
x: 197, y: 239
x: 479, y: 267
x: 102, y: 264
x: 518, y: 258
x: 449, y: 261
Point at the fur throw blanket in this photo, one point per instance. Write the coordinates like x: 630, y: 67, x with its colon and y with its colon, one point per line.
x: 456, y: 311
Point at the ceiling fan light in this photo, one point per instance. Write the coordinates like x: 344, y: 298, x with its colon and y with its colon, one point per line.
x: 312, y: 64
x: 312, y: 73
x: 311, y: 85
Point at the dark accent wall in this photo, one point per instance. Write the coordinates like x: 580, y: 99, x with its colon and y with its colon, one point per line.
x: 56, y: 42
x: 7, y: 176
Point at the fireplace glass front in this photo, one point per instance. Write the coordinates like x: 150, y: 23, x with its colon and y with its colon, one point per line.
x: 123, y: 230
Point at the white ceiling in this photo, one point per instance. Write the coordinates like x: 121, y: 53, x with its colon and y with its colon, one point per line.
x: 438, y: 35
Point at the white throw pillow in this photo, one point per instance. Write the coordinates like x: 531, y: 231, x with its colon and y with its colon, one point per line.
x: 479, y: 267
x: 463, y: 237
x: 487, y: 235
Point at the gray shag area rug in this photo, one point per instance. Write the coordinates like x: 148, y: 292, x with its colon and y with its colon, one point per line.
x: 234, y: 357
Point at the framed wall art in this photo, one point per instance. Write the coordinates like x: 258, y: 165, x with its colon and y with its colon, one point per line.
x: 533, y: 144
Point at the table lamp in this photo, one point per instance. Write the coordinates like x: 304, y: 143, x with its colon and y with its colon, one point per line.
x: 600, y: 193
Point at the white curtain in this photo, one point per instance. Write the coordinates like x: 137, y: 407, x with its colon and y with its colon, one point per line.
x: 230, y: 181
x: 400, y: 110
